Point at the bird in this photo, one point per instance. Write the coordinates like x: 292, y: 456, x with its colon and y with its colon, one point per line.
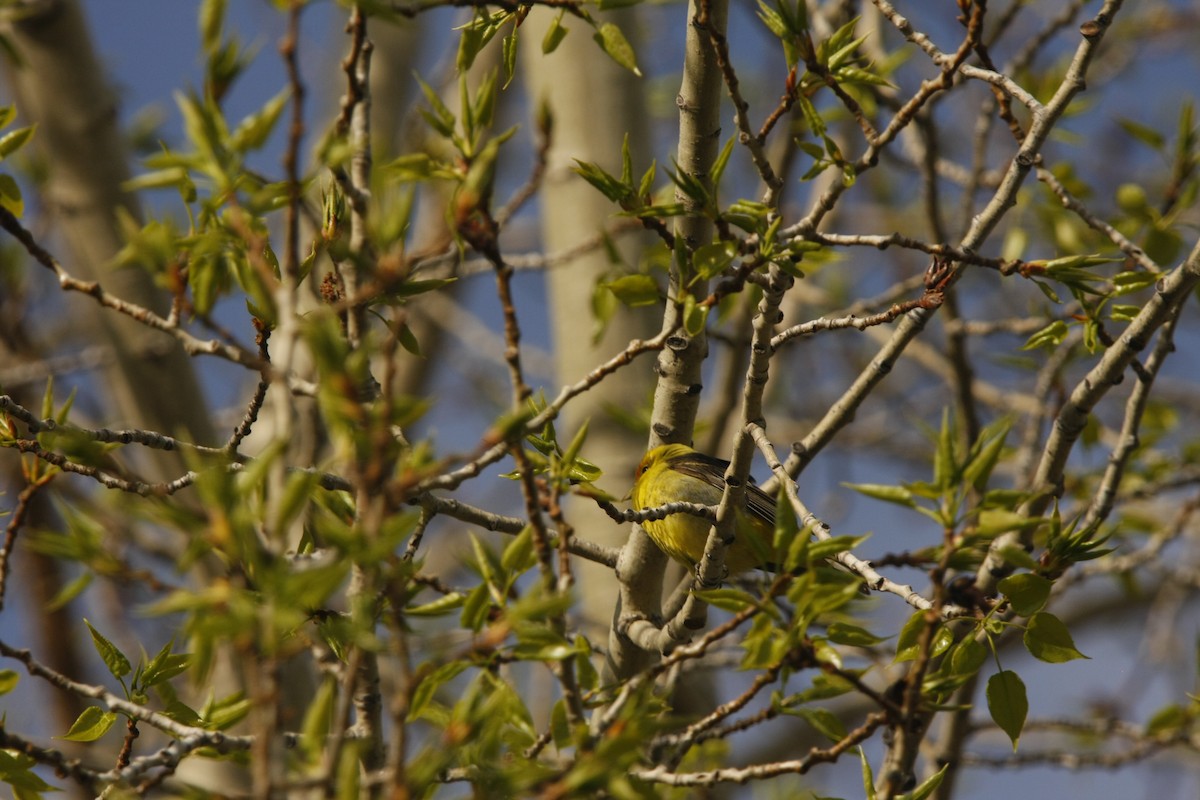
x: 675, y: 472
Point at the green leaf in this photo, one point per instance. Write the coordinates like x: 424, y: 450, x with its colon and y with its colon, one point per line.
x: 474, y: 36
x: 317, y: 720
x: 411, y: 288
x: 297, y: 492
x: 16, y: 769
x: 773, y: 20
x: 824, y: 721
x: 554, y: 35
x: 211, y: 18
x: 1143, y: 133
x: 411, y: 167
x: 844, y: 633
x: 15, y: 140
x: 614, y: 43
x: 635, y: 290
x: 1167, y: 720
x: 1048, y: 290
x: 1162, y: 244
x: 691, y: 185
x: 1131, y: 198
x: 226, y: 712
x: 608, y: 185
x: 438, y: 116
x: 968, y: 656
x: 985, y: 454
x: 93, y: 723
x: 560, y: 727
x: 695, y: 316
x: 10, y: 195
x: 733, y: 600
x: 1007, y: 703
x: 540, y: 642
x: 827, y: 548
x: 1124, y: 313
x: 908, y: 644
x: 712, y: 259
x: 8, y: 680
x: 1047, y: 638
x: 812, y: 119
x: 423, y: 694
x: 570, y: 455
x: 252, y: 132
x: 945, y: 463
x: 718, y: 168
x: 787, y: 538
x: 851, y: 75
x: 205, y: 129
x: 482, y: 109
x: 113, y: 658
x: 407, y: 339
x: 900, y: 495
x: 1026, y: 592
x: 70, y: 591
x: 626, y: 162
x: 647, y: 181
x: 910, y: 634
x: 436, y: 608
x: 476, y: 608
x: 995, y: 521
x: 1017, y: 556
x: 164, y: 666
x: 868, y: 776
x: 509, y: 52
x: 171, y: 177
x: 518, y: 553
x: 927, y: 787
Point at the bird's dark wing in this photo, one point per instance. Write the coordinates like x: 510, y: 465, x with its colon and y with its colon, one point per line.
x: 760, y: 504
x: 711, y: 470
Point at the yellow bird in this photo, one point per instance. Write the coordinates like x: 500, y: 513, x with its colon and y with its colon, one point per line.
x: 674, y: 472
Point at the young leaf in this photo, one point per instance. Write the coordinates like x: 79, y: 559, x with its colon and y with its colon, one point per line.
x: 423, y: 694
x: 900, y: 495
x: 93, y: 723
x: 635, y: 290
x: 694, y: 316
x: 824, y: 721
x: 968, y: 656
x: 718, y: 168
x: 252, y: 132
x: 868, y: 775
x: 554, y: 35
x: 10, y: 195
x: 1026, y: 592
x: 906, y: 645
x: 844, y: 633
x: 510, y: 57
x: 14, y: 140
x: 1007, y: 703
x: 164, y: 666
x: 1048, y: 639
x: 927, y: 787
x: 608, y: 185
x: 114, y: 659
x: 713, y: 258
x: 613, y: 42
